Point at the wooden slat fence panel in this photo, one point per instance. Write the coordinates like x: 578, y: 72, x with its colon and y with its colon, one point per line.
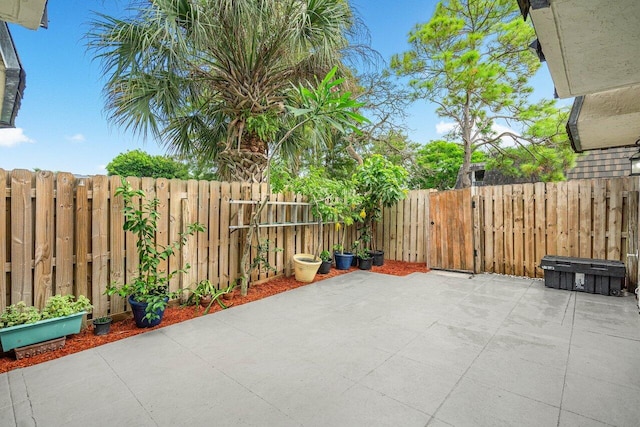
x: 75, y: 226
x: 451, y: 233
x: 581, y: 218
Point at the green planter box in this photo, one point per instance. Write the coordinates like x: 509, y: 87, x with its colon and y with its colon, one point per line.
x: 44, y: 330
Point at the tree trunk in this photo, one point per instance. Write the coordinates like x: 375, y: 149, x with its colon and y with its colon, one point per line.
x: 242, y: 165
x: 247, y: 163
x: 465, y: 172
x: 467, y: 126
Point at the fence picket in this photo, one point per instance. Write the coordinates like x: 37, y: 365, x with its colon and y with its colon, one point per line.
x: 100, y: 244
x: 600, y: 219
x: 584, y: 229
x: 573, y: 218
x: 64, y: 236
x: 234, y: 238
x: 213, y: 228
x: 202, y: 238
x: 540, y: 229
x: 43, y: 255
x: 529, y: 230
x: 176, y: 195
x: 562, y: 218
x: 3, y: 241
x: 223, y: 262
x: 116, y: 244
x: 82, y: 237
x: 21, y: 237
x: 615, y: 219
x: 162, y: 233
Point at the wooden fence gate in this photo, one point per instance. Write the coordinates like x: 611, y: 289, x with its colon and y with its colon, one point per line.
x: 451, y: 227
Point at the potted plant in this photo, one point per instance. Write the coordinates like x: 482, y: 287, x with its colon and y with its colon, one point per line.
x: 22, y: 325
x: 365, y: 261
x: 381, y: 184
x: 325, y: 267
x: 148, y: 293
x: 346, y: 214
x: 355, y: 248
x: 205, y: 293
x: 343, y: 259
x: 319, y: 191
x: 102, y: 325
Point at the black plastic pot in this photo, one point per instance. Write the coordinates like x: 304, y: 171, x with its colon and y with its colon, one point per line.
x: 365, y: 263
x: 102, y: 327
x: 378, y: 257
x: 325, y: 267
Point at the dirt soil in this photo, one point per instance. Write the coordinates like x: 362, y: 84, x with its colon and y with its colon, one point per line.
x: 175, y: 314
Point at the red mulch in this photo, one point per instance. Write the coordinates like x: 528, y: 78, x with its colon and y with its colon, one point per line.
x: 175, y: 314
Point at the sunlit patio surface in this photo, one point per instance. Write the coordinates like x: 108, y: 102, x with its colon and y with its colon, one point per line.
x: 362, y: 349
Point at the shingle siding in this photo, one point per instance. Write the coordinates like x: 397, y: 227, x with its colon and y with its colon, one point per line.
x: 610, y: 163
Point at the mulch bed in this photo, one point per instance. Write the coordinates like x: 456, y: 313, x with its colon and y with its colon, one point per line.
x: 175, y: 314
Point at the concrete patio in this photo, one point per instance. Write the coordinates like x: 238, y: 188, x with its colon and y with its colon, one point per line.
x: 361, y: 349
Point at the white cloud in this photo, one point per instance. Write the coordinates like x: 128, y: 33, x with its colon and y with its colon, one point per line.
x: 507, y: 140
x: 101, y: 169
x: 12, y: 137
x: 445, y: 127
x: 78, y: 137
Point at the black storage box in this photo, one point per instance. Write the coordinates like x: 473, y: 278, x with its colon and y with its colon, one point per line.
x: 596, y: 276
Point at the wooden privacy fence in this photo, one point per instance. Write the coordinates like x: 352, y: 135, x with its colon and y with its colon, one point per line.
x: 61, y: 234
x: 516, y: 225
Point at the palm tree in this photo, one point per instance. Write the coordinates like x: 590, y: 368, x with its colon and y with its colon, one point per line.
x: 211, y: 78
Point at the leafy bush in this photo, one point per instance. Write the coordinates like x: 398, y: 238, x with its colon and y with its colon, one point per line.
x: 65, y: 305
x: 141, y: 164
x: 381, y: 185
x: 150, y: 285
x: 55, y: 306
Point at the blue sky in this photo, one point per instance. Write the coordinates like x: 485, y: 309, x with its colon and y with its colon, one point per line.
x: 61, y: 125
